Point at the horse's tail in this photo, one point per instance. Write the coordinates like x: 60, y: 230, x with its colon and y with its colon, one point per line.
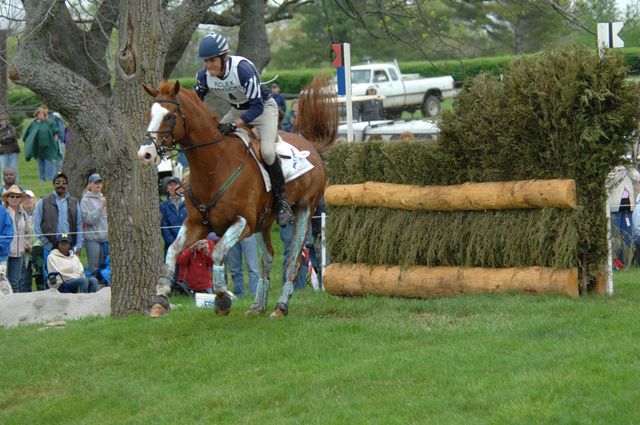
x: 318, y: 113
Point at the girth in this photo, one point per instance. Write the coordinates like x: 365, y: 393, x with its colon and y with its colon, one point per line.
x: 204, y: 209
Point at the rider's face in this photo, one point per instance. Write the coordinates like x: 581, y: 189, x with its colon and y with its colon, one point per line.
x: 214, y: 66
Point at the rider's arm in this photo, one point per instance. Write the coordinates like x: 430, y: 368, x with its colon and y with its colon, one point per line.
x: 201, y: 87
x: 250, y: 81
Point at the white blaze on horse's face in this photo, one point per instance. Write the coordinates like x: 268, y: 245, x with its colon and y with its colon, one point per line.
x: 147, y: 153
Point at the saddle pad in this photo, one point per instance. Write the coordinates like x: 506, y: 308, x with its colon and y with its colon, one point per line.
x: 294, y: 161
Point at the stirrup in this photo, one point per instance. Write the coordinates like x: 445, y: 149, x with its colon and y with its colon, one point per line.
x: 285, y: 215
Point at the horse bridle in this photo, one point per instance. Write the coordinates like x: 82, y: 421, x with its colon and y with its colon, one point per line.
x: 161, y: 149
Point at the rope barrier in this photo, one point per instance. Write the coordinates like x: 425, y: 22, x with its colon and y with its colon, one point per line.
x: 92, y: 231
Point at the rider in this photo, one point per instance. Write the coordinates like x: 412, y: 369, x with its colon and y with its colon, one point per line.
x: 236, y: 80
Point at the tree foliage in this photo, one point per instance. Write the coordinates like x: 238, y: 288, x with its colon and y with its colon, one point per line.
x: 442, y: 29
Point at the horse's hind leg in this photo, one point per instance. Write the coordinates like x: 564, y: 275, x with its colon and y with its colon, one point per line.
x: 229, y: 239
x: 300, y: 227
x: 266, y: 262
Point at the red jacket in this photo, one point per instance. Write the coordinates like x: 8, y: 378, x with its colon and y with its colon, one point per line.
x: 195, y: 267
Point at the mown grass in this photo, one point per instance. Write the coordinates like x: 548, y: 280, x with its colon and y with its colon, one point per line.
x: 481, y: 359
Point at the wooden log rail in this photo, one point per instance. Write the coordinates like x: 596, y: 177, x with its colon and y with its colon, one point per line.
x: 524, y: 194
x: 427, y: 282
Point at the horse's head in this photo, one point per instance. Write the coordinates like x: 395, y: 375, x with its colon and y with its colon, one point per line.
x: 167, y: 125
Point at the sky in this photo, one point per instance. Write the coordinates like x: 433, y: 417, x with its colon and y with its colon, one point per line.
x: 622, y: 4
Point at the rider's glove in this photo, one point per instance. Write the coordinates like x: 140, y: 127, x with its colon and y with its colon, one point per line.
x: 228, y: 127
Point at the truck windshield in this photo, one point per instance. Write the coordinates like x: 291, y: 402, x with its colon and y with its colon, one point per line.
x: 360, y: 76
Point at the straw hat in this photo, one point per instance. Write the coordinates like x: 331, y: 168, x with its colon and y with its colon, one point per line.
x: 13, y: 189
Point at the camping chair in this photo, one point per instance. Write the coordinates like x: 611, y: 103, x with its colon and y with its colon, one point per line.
x: 37, y: 264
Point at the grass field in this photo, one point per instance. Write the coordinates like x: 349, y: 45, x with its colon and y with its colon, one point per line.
x: 481, y: 359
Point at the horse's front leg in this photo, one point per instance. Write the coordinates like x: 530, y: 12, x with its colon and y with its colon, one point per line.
x: 229, y: 239
x: 300, y: 228
x: 159, y: 304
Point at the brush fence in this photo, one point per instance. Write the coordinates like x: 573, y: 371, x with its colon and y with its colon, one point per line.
x: 423, y: 281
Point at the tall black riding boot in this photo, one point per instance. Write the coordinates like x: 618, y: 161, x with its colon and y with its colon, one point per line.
x: 285, y: 215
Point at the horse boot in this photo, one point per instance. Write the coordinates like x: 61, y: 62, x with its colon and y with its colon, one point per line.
x: 285, y: 215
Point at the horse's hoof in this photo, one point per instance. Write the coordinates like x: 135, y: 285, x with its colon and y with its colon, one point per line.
x: 223, y: 304
x: 157, y: 310
x: 221, y: 312
x: 255, y: 311
x: 158, y: 306
x: 281, y: 311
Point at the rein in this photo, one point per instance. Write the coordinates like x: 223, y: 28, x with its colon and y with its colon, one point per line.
x: 204, y: 209
x: 161, y: 149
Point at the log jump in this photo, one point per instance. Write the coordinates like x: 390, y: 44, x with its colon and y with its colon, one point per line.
x: 425, y: 282
x: 463, y: 197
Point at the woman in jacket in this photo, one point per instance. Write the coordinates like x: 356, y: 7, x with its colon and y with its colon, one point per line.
x: 94, y: 216
x: 6, y: 236
x: 12, y: 200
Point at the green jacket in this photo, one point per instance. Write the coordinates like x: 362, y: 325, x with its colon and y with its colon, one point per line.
x: 39, y: 142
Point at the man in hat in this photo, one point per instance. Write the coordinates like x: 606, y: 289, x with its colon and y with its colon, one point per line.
x: 58, y: 213
x: 9, y: 148
x: 66, y: 273
x: 173, y: 212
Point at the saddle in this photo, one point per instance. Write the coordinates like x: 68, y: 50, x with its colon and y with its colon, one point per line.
x: 294, y: 161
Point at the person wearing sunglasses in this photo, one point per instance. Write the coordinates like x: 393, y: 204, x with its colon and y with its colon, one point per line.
x: 6, y: 237
x: 12, y: 200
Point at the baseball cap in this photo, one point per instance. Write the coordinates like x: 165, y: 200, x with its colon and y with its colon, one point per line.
x: 63, y: 237
x: 61, y: 174
x: 95, y: 178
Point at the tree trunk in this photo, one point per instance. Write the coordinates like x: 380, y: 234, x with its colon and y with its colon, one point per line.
x: 110, y: 131
x: 132, y: 190
x: 253, y: 42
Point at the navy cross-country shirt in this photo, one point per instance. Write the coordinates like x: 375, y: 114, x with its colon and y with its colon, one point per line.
x: 240, y: 86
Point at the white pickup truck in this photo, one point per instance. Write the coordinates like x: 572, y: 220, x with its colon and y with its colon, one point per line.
x: 408, y: 92
x: 391, y: 130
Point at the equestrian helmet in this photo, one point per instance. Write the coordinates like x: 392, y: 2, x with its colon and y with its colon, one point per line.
x: 212, y: 45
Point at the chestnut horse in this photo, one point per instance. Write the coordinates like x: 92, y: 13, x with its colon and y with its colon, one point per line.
x: 226, y: 193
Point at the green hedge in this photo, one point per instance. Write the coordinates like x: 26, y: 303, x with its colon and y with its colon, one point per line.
x: 561, y: 114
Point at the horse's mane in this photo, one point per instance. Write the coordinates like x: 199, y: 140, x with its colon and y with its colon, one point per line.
x: 167, y: 89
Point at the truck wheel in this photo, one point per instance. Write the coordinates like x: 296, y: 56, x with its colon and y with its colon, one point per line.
x: 431, y: 106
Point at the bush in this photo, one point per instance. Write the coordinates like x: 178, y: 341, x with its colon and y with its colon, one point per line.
x: 560, y: 114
